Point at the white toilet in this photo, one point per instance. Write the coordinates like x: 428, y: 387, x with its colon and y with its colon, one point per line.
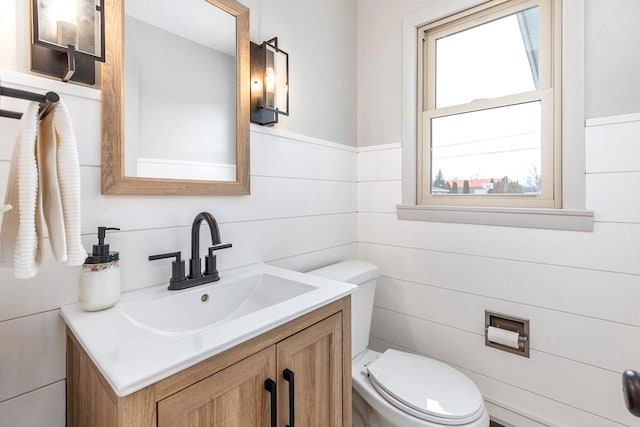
x: 394, y: 388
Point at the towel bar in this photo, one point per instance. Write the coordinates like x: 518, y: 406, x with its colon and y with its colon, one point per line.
x: 47, y: 101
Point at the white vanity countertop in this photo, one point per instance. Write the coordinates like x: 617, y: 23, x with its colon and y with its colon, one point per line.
x: 132, y: 356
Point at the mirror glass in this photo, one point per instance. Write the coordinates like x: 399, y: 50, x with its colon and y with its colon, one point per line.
x: 179, y: 90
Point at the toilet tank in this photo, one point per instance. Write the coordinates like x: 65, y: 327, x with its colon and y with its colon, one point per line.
x: 364, y: 274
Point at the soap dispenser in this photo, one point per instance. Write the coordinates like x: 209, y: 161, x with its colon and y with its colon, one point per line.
x: 100, y: 277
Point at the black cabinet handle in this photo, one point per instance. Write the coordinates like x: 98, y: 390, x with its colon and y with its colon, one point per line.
x: 270, y: 386
x: 288, y: 375
x: 631, y: 388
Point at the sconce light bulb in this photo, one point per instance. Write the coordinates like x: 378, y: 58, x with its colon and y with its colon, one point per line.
x: 270, y: 79
x: 64, y: 11
x: 67, y: 34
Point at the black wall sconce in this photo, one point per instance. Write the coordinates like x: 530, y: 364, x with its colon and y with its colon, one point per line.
x: 68, y: 37
x: 269, y: 82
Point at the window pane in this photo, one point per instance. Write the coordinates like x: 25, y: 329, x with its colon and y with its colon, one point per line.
x: 494, y: 59
x: 487, y: 152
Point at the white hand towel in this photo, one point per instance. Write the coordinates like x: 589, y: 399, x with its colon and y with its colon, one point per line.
x: 19, y: 244
x: 50, y: 198
x: 44, y: 183
x: 69, y: 181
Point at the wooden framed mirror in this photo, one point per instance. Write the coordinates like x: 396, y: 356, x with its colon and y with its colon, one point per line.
x: 175, y: 98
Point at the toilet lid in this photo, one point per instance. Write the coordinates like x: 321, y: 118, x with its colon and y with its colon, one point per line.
x: 427, y: 388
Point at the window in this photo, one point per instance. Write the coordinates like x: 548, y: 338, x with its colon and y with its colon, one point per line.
x: 489, y: 119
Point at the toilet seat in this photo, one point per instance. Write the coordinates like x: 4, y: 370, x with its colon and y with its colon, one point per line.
x: 425, y: 388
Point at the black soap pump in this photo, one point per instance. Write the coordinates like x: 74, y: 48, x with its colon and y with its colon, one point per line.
x: 100, y: 277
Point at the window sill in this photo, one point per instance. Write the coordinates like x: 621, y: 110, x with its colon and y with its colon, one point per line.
x: 552, y: 219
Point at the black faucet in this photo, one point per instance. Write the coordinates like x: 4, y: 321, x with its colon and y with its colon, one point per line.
x: 196, y: 276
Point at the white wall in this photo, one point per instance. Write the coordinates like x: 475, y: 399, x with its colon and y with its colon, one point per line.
x: 301, y: 212
x: 613, y: 65
x: 579, y: 289
x: 15, y: 33
x: 380, y: 69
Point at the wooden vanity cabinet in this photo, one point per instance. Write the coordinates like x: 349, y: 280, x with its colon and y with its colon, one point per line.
x: 228, y: 389
x: 233, y: 397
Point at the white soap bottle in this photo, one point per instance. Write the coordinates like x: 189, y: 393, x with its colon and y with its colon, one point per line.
x: 100, y: 276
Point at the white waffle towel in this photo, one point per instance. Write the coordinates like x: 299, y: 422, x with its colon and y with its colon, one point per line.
x: 69, y: 182
x: 18, y: 238
x: 44, y: 183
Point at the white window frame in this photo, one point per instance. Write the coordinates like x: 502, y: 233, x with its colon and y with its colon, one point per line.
x: 572, y: 215
x: 549, y: 87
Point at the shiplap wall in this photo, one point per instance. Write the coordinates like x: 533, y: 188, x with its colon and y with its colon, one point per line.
x: 580, y: 290
x: 301, y: 214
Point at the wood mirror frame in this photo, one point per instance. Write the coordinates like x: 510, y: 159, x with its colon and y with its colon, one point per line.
x: 114, y: 180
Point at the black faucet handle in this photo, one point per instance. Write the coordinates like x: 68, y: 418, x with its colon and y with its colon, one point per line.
x: 210, y: 263
x: 218, y: 247
x: 177, y: 255
x: 177, y: 266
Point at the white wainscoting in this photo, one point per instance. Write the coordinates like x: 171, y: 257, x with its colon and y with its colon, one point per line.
x: 42, y: 407
x: 301, y: 214
x: 580, y: 290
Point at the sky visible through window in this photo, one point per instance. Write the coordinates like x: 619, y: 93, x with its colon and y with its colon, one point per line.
x: 498, y: 58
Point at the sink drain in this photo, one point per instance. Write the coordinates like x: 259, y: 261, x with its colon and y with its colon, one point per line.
x: 204, y: 298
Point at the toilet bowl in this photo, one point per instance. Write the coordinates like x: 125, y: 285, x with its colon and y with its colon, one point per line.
x: 395, y: 388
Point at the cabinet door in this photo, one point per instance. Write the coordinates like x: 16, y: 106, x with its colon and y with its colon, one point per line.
x: 233, y: 397
x: 314, y: 357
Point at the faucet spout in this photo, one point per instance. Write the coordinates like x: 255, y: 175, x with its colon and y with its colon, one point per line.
x: 195, y: 232
x: 195, y: 269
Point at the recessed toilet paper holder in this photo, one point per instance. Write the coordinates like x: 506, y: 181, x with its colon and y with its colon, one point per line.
x: 506, y: 327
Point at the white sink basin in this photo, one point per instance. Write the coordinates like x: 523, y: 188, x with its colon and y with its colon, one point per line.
x: 205, y: 306
x: 153, y: 333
